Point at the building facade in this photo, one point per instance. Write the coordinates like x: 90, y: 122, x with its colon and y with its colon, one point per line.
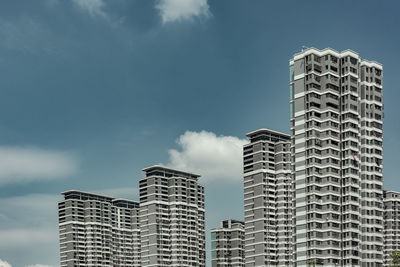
x: 172, y: 223
x: 336, y: 129
x: 391, y: 218
x: 97, y: 230
x: 267, y: 199
x: 227, y: 244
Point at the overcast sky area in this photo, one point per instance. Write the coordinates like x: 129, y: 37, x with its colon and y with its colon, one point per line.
x: 93, y: 91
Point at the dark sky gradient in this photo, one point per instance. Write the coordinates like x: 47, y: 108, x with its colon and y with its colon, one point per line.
x: 118, y: 91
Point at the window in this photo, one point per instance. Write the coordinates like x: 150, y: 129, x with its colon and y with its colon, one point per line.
x: 291, y: 88
x: 353, y: 60
x: 291, y: 69
x: 292, y: 110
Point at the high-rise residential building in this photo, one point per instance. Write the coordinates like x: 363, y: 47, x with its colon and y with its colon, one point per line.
x: 172, y: 223
x: 336, y: 129
x: 267, y: 199
x: 97, y: 230
x: 391, y: 218
x: 227, y: 244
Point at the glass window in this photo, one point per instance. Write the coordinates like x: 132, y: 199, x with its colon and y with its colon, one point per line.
x: 213, y: 236
x: 291, y: 91
x: 291, y: 69
x: 292, y: 109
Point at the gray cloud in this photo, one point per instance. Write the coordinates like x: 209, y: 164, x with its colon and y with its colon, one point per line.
x: 6, y: 264
x: 27, y: 237
x: 18, y: 164
x: 93, y: 7
x: 177, y: 10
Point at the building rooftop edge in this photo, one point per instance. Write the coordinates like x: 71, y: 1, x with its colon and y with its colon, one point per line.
x: 231, y: 219
x: 266, y: 130
x: 95, y: 194
x: 334, y: 51
x: 391, y: 191
x: 326, y: 49
x: 127, y: 200
x: 233, y: 222
x: 169, y: 169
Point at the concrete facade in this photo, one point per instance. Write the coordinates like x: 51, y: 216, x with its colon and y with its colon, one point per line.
x: 97, y: 230
x: 267, y: 199
x: 336, y: 128
x: 172, y: 222
x: 227, y: 244
x: 391, y: 200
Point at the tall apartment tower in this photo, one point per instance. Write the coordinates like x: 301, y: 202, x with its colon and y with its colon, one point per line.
x: 97, y: 230
x: 267, y: 199
x: 336, y: 129
x: 391, y: 218
x: 171, y: 218
x: 227, y: 244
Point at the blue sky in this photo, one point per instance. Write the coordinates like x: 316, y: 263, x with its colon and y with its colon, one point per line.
x: 92, y: 91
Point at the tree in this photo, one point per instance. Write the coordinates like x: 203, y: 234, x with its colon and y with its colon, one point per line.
x: 312, y: 262
x: 395, y: 262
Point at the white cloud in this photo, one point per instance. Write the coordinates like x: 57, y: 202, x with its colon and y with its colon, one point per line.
x: 93, y: 7
x: 26, y: 164
x: 177, y: 10
x: 4, y: 264
x: 39, y: 265
x: 213, y: 157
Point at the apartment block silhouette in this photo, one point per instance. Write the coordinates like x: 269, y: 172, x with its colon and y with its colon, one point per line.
x: 97, y: 230
x: 267, y: 199
x: 172, y: 222
x: 391, y: 218
x: 227, y: 244
x: 166, y: 228
x: 336, y: 133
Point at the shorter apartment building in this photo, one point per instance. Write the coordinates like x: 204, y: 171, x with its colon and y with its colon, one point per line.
x: 172, y: 223
x: 227, y: 244
x: 391, y: 201
x: 167, y: 228
x: 267, y: 199
x: 97, y: 230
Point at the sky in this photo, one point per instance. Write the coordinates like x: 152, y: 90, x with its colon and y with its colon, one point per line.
x: 93, y: 91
